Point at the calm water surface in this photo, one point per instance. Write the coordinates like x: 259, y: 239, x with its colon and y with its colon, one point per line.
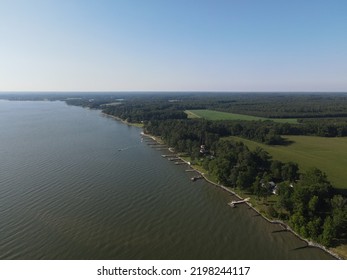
x: 67, y: 192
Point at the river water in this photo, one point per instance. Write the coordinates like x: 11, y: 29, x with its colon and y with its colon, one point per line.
x: 75, y: 184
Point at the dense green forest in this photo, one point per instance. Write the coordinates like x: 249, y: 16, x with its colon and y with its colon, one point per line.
x: 286, y: 105
x: 318, y: 114
x: 268, y: 105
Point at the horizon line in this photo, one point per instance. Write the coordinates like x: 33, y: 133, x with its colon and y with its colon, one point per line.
x: 168, y: 91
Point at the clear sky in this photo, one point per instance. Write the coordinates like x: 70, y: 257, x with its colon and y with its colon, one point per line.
x: 173, y: 45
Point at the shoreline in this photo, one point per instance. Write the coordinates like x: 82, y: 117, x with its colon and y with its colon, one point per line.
x: 279, y: 222
x: 122, y: 121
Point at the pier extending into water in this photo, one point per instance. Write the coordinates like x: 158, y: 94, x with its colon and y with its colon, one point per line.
x: 234, y: 202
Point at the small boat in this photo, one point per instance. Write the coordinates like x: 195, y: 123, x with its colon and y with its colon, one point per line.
x: 196, y: 178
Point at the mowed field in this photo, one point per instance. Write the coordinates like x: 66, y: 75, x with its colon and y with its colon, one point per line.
x: 327, y: 154
x: 216, y: 115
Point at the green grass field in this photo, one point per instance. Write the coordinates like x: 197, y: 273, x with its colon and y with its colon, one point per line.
x: 216, y: 115
x: 327, y: 154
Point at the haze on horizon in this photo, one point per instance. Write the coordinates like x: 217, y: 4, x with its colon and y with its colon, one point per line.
x: 173, y: 45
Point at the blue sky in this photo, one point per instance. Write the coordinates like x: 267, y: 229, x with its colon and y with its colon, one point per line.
x: 173, y: 45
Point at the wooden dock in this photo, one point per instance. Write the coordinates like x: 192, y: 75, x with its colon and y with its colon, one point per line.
x: 172, y: 158
x: 156, y: 145
x: 161, y: 148
x: 234, y: 202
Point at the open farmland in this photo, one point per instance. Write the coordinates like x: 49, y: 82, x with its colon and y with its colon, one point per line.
x: 327, y: 154
x: 216, y: 115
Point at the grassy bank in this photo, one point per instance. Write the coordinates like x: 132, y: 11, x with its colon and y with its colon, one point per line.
x: 124, y: 121
x: 216, y: 115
